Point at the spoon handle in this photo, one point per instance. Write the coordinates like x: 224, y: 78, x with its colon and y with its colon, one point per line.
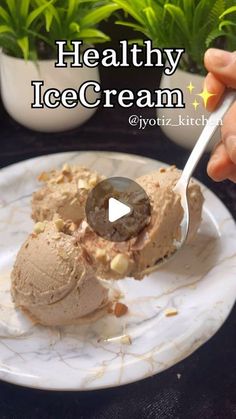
x: 206, y: 135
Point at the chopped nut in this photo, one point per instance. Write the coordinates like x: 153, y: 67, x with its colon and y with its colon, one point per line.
x: 74, y: 201
x: 62, y: 253
x: 126, y: 340
x: 93, y: 180
x: 120, y: 309
x: 101, y: 254
x: 59, y: 223
x: 65, y: 194
x: 52, y: 181
x: 171, y: 312
x: 66, y: 170
x: 59, y: 179
x: 120, y: 264
x: 39, y: 228
x: 162, y: 170
x: 72, y: 227
x: 43, y: 177
x: 118, y: 295
x: 56, y: 237
x: 110, y: 308
x: 83, y: 184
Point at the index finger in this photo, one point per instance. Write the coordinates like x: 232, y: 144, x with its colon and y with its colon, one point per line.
x: 215, y: 87
x: 223, y: 65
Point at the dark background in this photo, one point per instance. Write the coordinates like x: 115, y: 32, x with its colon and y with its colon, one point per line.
x: 207, y: 387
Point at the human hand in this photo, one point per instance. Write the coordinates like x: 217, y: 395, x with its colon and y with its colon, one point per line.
x: 222, y: 74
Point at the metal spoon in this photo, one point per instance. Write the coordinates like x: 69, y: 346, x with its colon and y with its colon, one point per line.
x: 198, y: 150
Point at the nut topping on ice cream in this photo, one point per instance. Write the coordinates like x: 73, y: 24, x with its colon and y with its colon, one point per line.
x: 169, y: 177
x: 64, y: 192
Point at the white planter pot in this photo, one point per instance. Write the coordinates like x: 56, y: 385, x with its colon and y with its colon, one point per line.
x: 185, y: 136
x: 17, y: 93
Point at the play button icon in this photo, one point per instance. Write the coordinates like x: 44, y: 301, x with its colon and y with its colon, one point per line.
x: 118, y: 209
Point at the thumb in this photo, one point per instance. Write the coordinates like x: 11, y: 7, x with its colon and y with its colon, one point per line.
x: 223, y: 65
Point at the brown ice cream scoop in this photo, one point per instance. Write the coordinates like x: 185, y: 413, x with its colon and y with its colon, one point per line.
x: 169, y: 177
x: 156, y: 241
x: 63, y: 192
x: 52, y: 281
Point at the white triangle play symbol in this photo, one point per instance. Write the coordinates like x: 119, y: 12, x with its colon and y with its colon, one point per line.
x: 117, y: 210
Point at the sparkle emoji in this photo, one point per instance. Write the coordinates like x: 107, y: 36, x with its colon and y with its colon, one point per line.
x: 195, y: 104
x: 205, y: 95
x: 190, y: 87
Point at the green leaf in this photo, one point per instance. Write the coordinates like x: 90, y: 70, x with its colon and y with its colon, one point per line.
x: 188, y: 9
x: 36, y: 13
x: 48, y: 18
x: 24, y: 8
x: 201, y: 14
x: 129, y: 25
x: 74, y: 27
x: 216, y: 11
x: 41, y: 37
x: 150, y: 15
x: 72, y: 5
x: 216, y: 33
x: 11, y: 6
x: 93, y: 33
x: 228, y: 11
x: 131, y: 11
x: 226, y: 23
x: 54, y: 14
x: 9, y: 46
x: 4, y: 15
x: 179, y: 18
x: 24, y: 46
x: 5, y: 29
x: 97, y: 15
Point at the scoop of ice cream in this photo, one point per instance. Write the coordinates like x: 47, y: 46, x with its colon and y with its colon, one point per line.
x: 169, y: 177
x: 156, y: 241
x: 132, y: 257
x: 52, y: 281
x: 64, y: 192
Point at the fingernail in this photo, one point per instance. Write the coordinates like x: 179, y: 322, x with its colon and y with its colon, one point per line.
x: 221, y: 58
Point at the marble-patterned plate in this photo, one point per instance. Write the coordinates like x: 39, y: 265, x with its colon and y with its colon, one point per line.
x: 199, y: 283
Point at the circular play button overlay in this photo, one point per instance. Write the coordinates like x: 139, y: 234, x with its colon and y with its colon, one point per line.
x: 118, y: 209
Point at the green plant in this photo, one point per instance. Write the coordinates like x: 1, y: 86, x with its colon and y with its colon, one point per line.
x: 191, y: 24
x: 228, y: 26
x: 29, y: 28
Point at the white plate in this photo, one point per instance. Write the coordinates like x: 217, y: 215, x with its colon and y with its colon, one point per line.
x: 199, y: 282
